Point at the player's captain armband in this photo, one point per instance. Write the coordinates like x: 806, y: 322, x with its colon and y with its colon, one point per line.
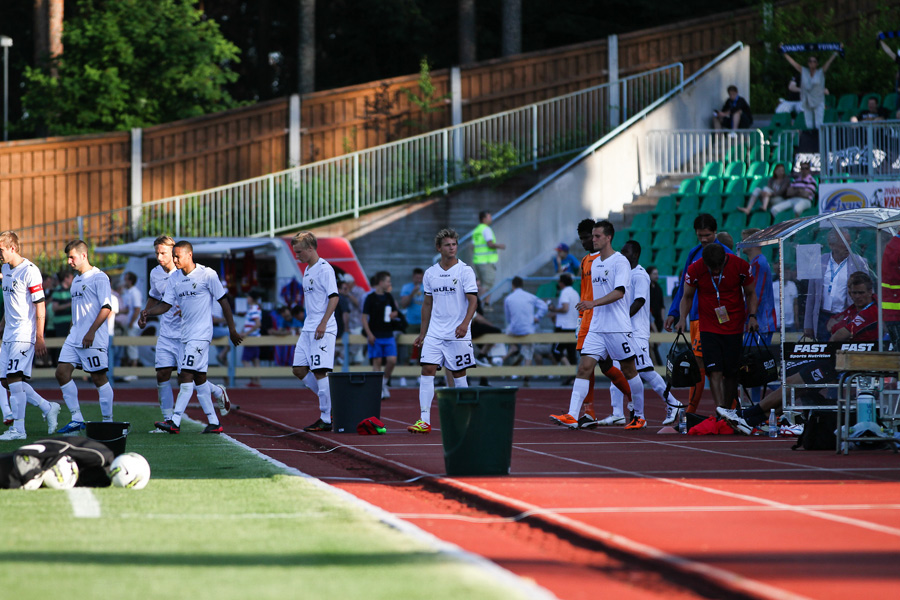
x: 36, y: 288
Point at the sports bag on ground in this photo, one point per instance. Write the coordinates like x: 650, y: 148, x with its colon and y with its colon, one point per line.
x: 758, y: 366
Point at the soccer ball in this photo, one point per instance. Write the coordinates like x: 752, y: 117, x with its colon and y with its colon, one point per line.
x: 63, y: 475
x: 130, y: 470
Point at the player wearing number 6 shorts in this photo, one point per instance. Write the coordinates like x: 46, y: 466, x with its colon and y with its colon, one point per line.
x: 87, y: 345
x: 609, y: 336
x: 446, y: 336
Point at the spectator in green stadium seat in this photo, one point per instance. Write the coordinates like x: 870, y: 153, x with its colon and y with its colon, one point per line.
x: 777, y: 188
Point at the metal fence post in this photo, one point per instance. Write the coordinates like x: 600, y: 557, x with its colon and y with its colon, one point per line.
x: 271, y: 180
x: 870, y: 146
x: 294, y: 155
x: 80, y: 220
x: 137, y: 189
x: 534, y: 136
x: 356, y: 185
x: 444, y: 149
x: 612, y: 62
x: 178, y: 217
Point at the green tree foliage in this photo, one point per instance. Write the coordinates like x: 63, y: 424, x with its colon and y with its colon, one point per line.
x: 131, y: 63
x: 865, y: 67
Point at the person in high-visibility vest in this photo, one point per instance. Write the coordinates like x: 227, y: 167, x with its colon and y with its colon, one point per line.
x: 890, y: 290
x: 485, y: 257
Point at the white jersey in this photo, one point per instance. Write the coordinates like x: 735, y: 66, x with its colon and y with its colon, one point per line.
x: 90, y: 293
x: 639, y: 288
x: 319, y: 284
x: 195, y: 294
x: 169, y: 321
x: 448, y: 291
x: 23, y: 286
x: 607, y: 275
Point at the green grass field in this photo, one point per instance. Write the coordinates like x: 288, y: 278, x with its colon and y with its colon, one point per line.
x: 217, y: 521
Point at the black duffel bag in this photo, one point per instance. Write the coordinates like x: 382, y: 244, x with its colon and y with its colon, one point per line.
x: 758, y: 366
x: 682, y: 369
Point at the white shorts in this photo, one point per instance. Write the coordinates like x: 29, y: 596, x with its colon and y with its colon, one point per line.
x: 89, y: 360
x: 313, y: 353
x: 454, y: 355
x: 16, y: 357
x: 168, y: 353
x: 642, y: 361
x: 195, y: 356
x: 617, y: 346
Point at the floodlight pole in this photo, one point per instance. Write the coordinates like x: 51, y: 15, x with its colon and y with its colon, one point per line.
x: 5, y: 42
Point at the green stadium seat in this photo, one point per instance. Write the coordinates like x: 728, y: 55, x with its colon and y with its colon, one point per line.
x: 664, y: 222
x: 666, y: 204
x: 832, y: 116
x: 642, y: 237
x: 642, y: 221
x: 760, y: 219
x: 735, y: 170
x: 711, y: 170
x: 890, y: 102
x: 732, y: 203
x: 712, y: 187
x: 785, y: 215
x: 781, y: 120
x: 812, y: 211
x: 830, y: 101
x: 759, y: 168
x: 864, y: 101
x: 736, y: 186
x: 711, y: 205
x: 663, y: 239
x: 546, y: 290
x: 689, y: 186
x: 800, y: 121
x: 757, y: 183
x: 686, y: 238
x: 689, y: 205
x: 734, y: 221
x: 848, y: 102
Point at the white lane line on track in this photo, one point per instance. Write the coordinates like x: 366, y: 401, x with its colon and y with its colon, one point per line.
x: 749, y: 586
x: 893, y: 531
x: 693, y: 447
x: 643, y: 510
x: 84, y: 503
x: 686, y: 472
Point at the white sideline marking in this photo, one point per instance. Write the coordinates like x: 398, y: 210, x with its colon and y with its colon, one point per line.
x: 746, y: 497
x: 84, y: 503
x: 526, y: 587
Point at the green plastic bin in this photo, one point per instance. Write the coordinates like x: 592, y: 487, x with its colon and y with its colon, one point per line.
x: 477, y: 429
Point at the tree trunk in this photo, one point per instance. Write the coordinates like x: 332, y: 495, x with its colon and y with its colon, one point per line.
x: 306, y: 53
x: 41, y: 31
x: 467, y: 41
x: 512, y: 28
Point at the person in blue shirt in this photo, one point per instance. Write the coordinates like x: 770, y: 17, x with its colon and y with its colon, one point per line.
x: 410, y: 301
x: 765, y: 311
x: 706, y: 227
x: 564, y: 262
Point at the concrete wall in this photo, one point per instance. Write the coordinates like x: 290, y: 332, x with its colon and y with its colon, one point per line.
x: 608, y: 179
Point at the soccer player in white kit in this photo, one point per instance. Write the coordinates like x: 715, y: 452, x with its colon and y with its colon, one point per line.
x: 168, y: 344
x: 610, y: 333
x: 87, y: 345
x: 193, y: 288
x: 451, y: 296
x: 637, y: 297
x: 314, y: 352
x: 23, y: 335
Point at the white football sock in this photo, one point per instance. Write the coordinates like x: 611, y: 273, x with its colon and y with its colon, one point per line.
x: 637, y: 395
x: 185, y: 391
x: 311, y: 382
x: 617, y: 400
x: 18, y: 402
x: 35, y: 399
x: 70, y: 396
x: 426, y: 395
x: 460, y: 382
x: 579, y: 392
x: 166, y: 399
x: 205, y: 398
x: 105, y: 392
x: 324, y: 393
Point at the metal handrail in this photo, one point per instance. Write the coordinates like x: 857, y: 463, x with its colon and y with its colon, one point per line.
x: 868, y: 151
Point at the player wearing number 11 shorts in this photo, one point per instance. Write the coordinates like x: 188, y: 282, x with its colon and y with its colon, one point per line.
x: 446, y: 336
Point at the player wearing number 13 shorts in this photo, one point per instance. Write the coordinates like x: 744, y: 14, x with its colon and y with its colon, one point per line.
x: 446, y: 336
x: 87, y: 345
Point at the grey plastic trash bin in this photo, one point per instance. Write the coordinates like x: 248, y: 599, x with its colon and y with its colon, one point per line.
x: 354, y: 397
x: 477, y: 429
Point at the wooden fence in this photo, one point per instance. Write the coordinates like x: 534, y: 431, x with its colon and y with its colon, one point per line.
x: 58, y: 178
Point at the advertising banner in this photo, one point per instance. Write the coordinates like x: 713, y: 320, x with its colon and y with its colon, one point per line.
x: 834, y: 197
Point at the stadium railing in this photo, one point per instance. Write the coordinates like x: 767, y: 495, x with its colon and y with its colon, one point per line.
x: 867, y: 151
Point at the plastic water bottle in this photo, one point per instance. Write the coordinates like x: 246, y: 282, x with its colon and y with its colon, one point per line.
x: 865, y: 407
x: 773, y: 424
x: 682, y: 421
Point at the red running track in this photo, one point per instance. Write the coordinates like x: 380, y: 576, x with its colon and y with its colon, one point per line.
x: 747, y: 514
